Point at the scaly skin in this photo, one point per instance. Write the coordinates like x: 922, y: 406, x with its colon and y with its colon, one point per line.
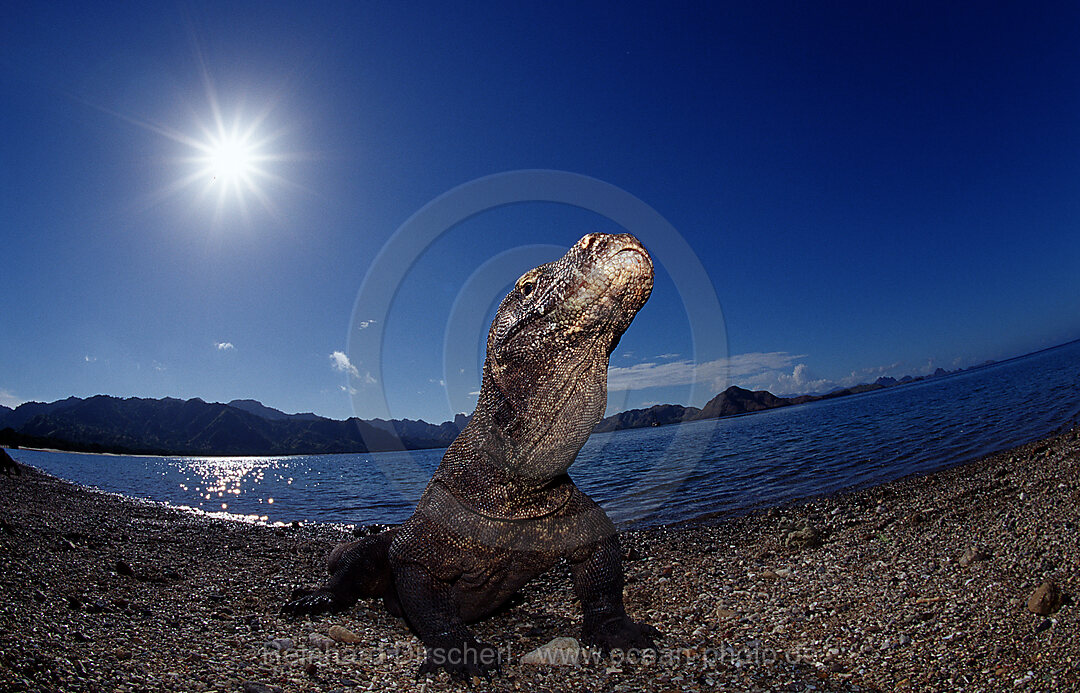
x: 500, y: 509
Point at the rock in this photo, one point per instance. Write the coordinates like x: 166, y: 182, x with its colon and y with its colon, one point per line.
x: 39, y: 596
x: 312, y: 670
x: 558, y: 652
x: 768, y: 575
x: 342, y: 634
x: 1046, y: 599
x: 281, y: 644
x: 803, y: 538
x: 971, y: 555
x: 124, y: 568
x: 320, y: 641
x: 255, y: 687
x: 723, y: 614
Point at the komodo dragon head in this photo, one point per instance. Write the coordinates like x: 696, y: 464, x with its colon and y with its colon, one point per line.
x: 545, y: 375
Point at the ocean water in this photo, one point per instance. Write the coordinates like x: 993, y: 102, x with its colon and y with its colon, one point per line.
x: 648, y: 476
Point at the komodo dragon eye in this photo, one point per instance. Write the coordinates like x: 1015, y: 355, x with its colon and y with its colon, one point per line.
x: 526, y: 284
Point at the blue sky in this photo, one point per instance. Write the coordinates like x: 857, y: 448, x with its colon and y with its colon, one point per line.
x: 870, y: 190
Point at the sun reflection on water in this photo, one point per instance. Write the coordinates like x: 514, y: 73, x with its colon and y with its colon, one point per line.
x: 208, y: 479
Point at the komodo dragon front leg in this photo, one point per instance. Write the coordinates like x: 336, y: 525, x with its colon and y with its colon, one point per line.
x: 429, y: 605
x: 598, y: 584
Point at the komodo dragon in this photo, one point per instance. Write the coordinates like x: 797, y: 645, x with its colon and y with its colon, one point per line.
x: 500, y: 509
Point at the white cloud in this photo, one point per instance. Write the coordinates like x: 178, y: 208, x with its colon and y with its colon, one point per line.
x: 778, y: 372
x: 364, y: 324
x: 157, y: 366
x: 719, y: 372
x: 224, y: 346
x: 89, y: 359
x: 668, y: 356
x: 340, y: 362
x: 800, y: 381
x: 351, y: 390
x: 8, y: 399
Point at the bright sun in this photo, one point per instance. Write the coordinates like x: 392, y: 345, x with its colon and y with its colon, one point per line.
x: 231, y: 161
x: 230, y: 165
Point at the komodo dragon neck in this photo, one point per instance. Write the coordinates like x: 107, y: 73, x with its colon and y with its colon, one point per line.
x: 545, y: 378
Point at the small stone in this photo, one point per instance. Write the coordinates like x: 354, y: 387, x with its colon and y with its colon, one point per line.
x: 39, y: 596
x: 803, y: 538
x: 312, y: 670
x: 320, y: 641
x: 255, y: 687
x: 723, y: 614
x: 342, y: 634
x: 768, y: 575
x: 558, y: 652
x: 124, y: 568
x: 281, y: 644
x: 971, y: 555
x: 1046, y: 599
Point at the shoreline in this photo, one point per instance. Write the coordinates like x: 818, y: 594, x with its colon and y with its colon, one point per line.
x: 917, y: 584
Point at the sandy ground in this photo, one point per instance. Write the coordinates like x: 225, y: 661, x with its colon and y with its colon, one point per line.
x: 922, y: 584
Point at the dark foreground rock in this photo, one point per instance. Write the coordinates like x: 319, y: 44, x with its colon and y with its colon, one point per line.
x: 877, y: 601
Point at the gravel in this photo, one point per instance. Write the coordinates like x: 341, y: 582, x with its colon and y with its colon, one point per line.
x: 925, y: 584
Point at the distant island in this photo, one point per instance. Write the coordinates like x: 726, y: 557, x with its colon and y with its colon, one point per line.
x: 169, y: 426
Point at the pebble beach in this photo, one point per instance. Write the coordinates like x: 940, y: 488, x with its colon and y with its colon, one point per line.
x: 962, y: 580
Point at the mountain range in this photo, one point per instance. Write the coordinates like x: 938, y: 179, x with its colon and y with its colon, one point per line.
x: 172, y: 426
x: 194, y: 427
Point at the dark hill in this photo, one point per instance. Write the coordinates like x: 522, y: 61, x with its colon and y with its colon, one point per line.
x: 259, y: 409
x: 736, y: 400
x: 195, y: 427
x: 658, y: 415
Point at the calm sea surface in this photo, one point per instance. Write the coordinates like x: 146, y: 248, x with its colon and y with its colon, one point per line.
x: 653, y: 475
